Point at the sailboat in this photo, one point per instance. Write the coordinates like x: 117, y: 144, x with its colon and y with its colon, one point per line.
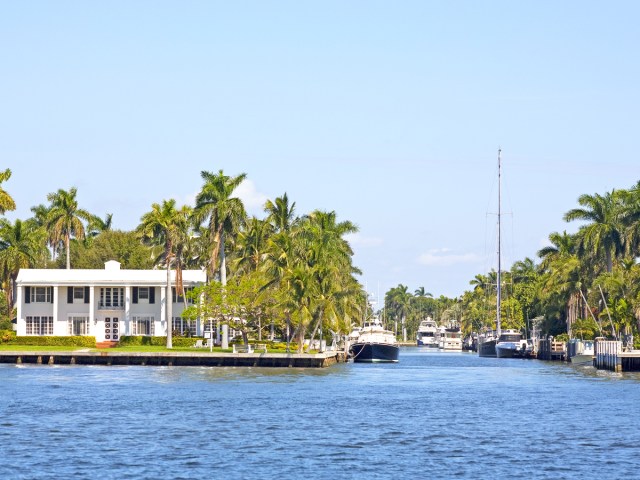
x: 487, y: 341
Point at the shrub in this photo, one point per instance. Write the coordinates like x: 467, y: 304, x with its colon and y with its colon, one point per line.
x: 7, y: 335
x: 127, y: 341
x: 77, y: 341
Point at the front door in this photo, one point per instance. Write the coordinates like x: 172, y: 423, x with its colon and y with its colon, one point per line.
x: 111, y: 329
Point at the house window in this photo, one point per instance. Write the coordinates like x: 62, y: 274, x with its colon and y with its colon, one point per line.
x: 143, y: 293
x: 78, y: 325
x: 78, y: 293
x: 39, y: 325
x: 111, y: 297
x: 179, y: 298
x: 143, y: 325
x: 183, y: 327
x: 41, y: 295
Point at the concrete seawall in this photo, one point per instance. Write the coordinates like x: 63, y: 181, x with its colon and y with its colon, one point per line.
x: 176, y: 359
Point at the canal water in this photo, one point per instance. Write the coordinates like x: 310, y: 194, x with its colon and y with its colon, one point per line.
x: 433, y: 415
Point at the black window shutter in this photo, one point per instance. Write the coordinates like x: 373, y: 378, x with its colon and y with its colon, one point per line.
x: 135, y: 294
x: 50, y: 294
x: 174, y: 297
x: 86, y: 294
x: 27, y: 294
x: 152, y: 294
x: 69, y: 294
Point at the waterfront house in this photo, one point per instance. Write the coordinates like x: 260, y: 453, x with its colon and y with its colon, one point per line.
x: 105, y: 303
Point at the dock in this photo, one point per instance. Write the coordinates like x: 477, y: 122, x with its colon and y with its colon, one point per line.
x: 175, y: 359
x: 609, y: 355
x: 549, y: 349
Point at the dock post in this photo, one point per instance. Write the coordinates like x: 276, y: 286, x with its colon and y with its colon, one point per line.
x: 50, y: 360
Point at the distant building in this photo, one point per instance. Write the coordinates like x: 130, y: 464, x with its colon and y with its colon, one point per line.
x: 105, y: 303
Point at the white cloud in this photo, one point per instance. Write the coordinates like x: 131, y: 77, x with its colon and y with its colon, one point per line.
x: 443, y: 258
x: 358, y: 240
x: 253, y: 199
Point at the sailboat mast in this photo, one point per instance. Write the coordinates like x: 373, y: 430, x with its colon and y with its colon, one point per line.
x: 498, y: 286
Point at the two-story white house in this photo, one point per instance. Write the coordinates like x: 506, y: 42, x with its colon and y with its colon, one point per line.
x: 105, y: 303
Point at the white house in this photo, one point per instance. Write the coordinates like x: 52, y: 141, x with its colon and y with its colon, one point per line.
x: 104, y: 303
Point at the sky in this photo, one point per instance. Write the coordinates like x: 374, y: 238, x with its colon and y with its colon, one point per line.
x: 389, y: 113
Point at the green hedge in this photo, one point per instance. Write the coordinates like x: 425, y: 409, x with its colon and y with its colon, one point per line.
x: 78, y: 341
x: 127, y: 341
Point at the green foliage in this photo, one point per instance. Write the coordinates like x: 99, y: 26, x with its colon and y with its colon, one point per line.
x: 7, y: 335
x: 75, y: 341
x: 125, y: 247
x: 128, y: 341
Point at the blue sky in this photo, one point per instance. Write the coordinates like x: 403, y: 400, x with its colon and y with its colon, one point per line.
x: 389, y: 113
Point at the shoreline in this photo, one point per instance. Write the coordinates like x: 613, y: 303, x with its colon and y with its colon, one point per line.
x: 174, y: 359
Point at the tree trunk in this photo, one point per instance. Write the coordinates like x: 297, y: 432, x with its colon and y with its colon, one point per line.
x: 168, y: 305
x: 223, y: 262
x: 68, y: 249
x: 313, y: 334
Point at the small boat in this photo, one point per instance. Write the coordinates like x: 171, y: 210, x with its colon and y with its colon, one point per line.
x: 580, y: 352
x: 426, y: 335
x: 372, y: 343
x: 510, y: 344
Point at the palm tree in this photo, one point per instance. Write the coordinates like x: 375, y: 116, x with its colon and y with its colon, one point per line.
x: 280, y: 214
x: 65, y: 219
x: 21, y: 246
x: 421, y: 292
x: 6, y: 201
x: 97, y: 225
x: 251, y: 245
x: 165, y: 226
x: 605, y: 232
x: 225, y: 214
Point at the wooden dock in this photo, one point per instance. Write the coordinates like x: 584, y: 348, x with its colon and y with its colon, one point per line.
x: 175, y: 359
x: 549, y: 349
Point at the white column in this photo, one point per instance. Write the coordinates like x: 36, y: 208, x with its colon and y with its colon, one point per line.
x: 20, y: 326
x: 56, y: 289
x: 92, y: 310
x: 163, y: 307
x: 127, y: 311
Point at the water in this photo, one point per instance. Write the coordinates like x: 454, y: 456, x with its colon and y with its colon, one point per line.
x: 433, y: 415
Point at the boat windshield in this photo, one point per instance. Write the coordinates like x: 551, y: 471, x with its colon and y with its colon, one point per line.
x: 510, y: 338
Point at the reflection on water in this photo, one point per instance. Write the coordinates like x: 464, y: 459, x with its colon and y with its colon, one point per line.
x: 433, y: 414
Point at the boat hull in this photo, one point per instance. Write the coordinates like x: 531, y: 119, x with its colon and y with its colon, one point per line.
x: 509, y: 352
x: 487, y: 348
x: 374, y: 353
x: 582, y: 359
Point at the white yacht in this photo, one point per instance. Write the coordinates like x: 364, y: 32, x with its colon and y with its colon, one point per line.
x: 426, y: 335
x: 452, y: 339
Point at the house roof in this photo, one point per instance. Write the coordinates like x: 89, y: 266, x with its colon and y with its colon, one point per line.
x: 111, y: 275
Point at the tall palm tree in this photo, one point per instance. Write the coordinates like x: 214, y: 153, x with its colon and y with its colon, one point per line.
x: 252, y: 244
x: 21, y: 246
x: 6, y: 201
x: 165, y: 226
x: 225, y: 214
x: 280, y: 214
x: 65, y: 218
x: 421, y: 292
x: 604, y: 234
